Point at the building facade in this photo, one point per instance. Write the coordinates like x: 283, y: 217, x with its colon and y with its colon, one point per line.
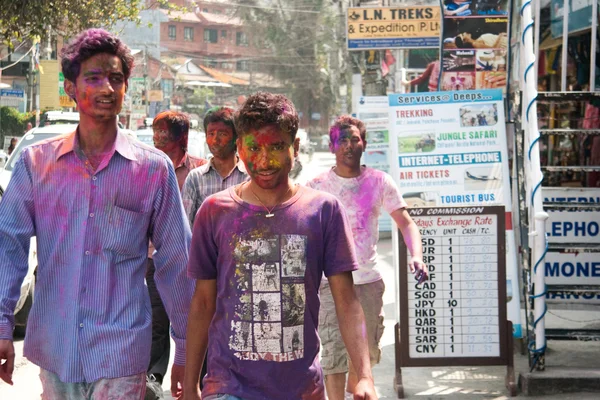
x: 210, y: 33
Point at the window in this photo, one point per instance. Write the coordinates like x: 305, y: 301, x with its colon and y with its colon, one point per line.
x: 241, y: 39
x: 172, y: 32
x: 226, y: 65
x: 242, y: 65
x: 205, y: 10
x: 223, y: 33
x: 211, y: 35
x: 188, y: 34
x: 212, y: 64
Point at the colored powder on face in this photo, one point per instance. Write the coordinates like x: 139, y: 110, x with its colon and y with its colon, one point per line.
x: 334, y: 134
x: 254, y: 160
x: 248, y: 140
x: 86, y: 95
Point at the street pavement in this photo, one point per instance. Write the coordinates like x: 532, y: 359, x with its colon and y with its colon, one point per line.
x: 445, y: 383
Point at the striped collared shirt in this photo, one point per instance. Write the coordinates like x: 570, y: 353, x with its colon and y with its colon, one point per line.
x: 187, y: 164
x: 91, y: 316
x: 205, y: 181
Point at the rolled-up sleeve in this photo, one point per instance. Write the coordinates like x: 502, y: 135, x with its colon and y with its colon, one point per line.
x: 17, y: 226
x: 171, y: 236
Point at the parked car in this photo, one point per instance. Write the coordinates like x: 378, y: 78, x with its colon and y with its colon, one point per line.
x: 59, y: 117
x: 3, y: 158
x: 33, y: 136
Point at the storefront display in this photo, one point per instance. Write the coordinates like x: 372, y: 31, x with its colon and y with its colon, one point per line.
x: 474, y: 45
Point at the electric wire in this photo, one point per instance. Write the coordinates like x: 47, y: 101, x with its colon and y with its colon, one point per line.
x: 19, y: 60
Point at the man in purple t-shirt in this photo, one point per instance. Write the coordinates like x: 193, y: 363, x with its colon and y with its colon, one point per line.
x: 258, y: 253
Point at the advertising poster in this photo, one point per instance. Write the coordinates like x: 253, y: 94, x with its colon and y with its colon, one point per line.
x: 580, y: 16
x: 449, y: 149
x: 474, y: 45
x: 393, y: 28
x: 373, y: 111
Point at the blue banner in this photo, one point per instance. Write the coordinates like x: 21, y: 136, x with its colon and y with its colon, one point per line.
x: 11, y: 93
x: 450, y: 159
x: 468, y: 96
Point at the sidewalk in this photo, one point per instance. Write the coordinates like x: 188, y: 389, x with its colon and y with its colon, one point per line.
x: 472, y: 383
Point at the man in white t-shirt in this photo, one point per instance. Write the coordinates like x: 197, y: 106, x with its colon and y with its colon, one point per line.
x: 364, y: 192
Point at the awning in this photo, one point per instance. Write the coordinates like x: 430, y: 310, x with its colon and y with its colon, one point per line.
x: 223, y: 77
x: 551, y: 43
x: 209, y: 84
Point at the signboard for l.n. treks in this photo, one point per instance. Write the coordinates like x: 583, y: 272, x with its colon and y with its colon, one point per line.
x: 393, y: 28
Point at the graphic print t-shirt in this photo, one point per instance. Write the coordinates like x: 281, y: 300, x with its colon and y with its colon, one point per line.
x: 363, y: 198
x: 263, y: 341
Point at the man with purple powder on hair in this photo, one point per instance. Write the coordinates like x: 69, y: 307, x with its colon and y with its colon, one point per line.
x: 94, y: 198
x: 258, y: 253
x: 363, y: 192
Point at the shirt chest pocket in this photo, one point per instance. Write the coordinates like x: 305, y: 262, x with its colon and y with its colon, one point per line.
x: 128, y: 230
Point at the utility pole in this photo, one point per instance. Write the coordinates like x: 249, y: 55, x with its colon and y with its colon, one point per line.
x: 31, y: 80
x: 49, y: 48
x: 146, y: 86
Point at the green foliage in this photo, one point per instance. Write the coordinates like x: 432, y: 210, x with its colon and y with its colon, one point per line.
x: 23, y: 19
x: 196, y: 103
x: 299, y: 42
x: 14, y: 123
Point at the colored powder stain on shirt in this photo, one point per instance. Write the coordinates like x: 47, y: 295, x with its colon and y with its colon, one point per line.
x: 363, y: 198
x: 266, y: 321
x: 91, y: 270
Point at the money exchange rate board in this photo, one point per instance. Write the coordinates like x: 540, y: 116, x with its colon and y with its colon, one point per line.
x: 457, y: 316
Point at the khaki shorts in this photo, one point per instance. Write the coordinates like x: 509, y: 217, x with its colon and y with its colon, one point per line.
x: 334, y: 358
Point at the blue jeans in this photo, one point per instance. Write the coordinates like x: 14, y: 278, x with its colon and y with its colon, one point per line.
x: 221, y: 396
x: 128, y: 387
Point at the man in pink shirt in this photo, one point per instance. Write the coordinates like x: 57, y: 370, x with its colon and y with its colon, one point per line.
x: 363, y: 192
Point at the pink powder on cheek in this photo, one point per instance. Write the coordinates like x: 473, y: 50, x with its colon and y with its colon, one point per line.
x: 334, y: 135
